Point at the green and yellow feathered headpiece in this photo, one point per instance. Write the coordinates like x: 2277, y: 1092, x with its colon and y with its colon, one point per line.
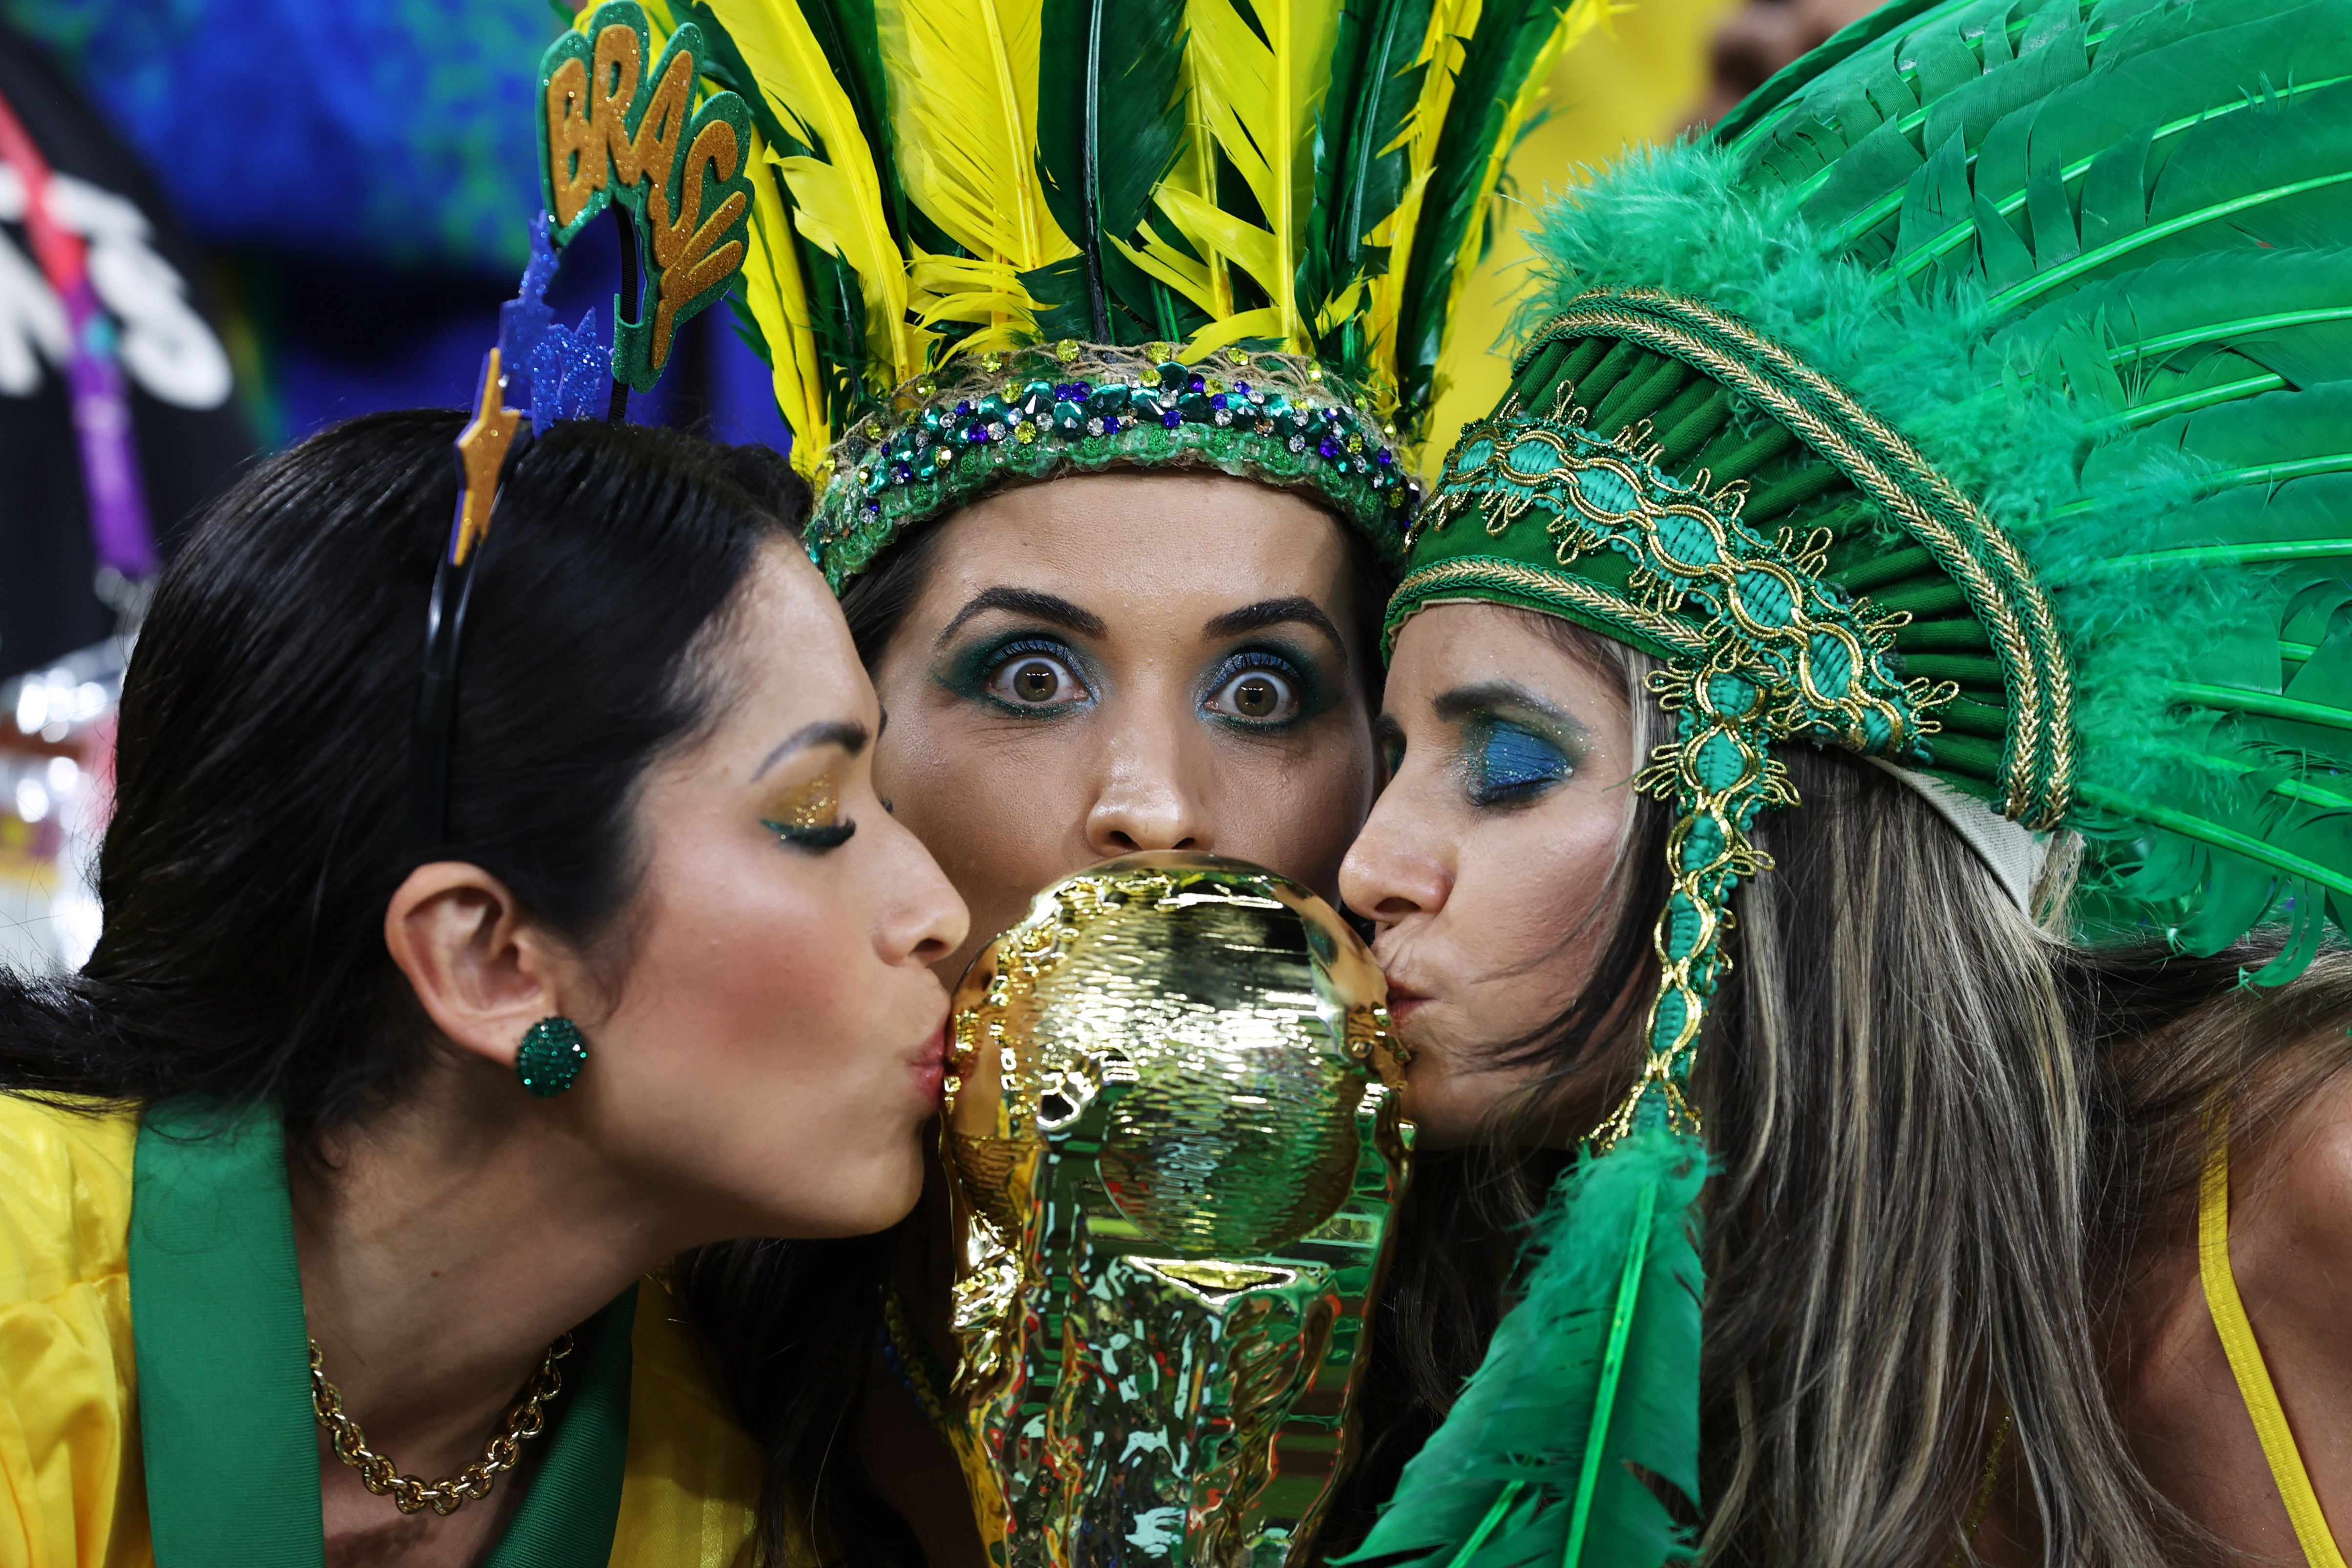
x: 1008, y: 237
x: 1978, y: 399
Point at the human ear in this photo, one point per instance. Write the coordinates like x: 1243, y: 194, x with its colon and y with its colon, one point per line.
x: 483, y: 972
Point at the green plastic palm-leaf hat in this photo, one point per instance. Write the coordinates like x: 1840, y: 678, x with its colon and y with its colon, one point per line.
x: 1977, y: 398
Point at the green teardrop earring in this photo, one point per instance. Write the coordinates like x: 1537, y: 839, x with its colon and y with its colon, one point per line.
x: 552, y: 1056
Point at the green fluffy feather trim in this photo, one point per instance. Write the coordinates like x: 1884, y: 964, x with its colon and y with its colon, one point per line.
x: 1584, y: 1417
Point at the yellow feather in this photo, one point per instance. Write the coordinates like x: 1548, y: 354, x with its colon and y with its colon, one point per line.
x: 837, y: 196
x: 1258, y: 96
x: 965, y: 132
x: 778, y: 297
x: 1579, y: 19
x: 988, y: 294
x: 1195, y: 170
x: 1263, y: 322
x: 1340, y: 306
x: 1450, y: 21
x: 1256, y: 251
x: 1202, y: 282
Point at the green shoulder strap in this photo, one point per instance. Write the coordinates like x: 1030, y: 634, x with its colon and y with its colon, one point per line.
x: 224, y: 1365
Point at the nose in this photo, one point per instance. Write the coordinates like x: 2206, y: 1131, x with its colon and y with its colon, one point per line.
x: 928, y: 920
x: 1150, y: 796
x: 1391, y: 875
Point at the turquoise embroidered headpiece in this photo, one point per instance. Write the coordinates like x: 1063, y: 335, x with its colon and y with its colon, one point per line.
x: 1978, y: 399
x: 1760, y: 645
x: 996, y: 240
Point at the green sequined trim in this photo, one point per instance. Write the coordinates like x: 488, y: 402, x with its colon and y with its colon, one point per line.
x: 1272, y: 418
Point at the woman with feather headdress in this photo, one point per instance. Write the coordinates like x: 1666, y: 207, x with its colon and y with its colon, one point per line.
x: 1106, y: 329
x: 1867, y: 721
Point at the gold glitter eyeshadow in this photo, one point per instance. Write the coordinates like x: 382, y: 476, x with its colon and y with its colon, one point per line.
x: 815, y: 804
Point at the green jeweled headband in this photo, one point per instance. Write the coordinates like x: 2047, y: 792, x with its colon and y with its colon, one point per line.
x: 1034, y: 413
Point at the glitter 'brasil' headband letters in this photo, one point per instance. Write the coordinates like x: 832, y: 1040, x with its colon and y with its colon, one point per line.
x: 613, y: 134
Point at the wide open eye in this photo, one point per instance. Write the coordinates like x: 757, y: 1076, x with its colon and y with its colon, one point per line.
x: 1257, y: 691
x: 1033, y: 678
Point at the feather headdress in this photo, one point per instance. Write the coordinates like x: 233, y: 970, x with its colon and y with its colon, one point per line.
x: 1263, y: 209
x: 1978, y: 398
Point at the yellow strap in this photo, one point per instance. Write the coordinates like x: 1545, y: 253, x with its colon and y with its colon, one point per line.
x: 2245, y: 1355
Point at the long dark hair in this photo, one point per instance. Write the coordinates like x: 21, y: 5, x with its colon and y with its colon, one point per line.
x: 1939, y: 1133
x: 262, y: 765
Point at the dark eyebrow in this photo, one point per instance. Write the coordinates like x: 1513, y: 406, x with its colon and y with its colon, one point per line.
x: 1026, y: 601
x: 1463, y: 700
x: 849, y: 735
x: 1273, y: 613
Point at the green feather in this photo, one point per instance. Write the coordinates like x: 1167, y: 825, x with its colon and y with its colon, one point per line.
x: 1110, y: 121
x: 2086, y: 115
x: 2195, y: 322
x: 1494, y: 63
x: 1360, y: 172
x: 1770, y: 107
x: 1589, y: 1384
x: 837, y: 323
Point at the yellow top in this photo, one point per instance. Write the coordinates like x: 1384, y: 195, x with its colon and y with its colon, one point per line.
x: 2246, y: 1364
x: 72, y: 1494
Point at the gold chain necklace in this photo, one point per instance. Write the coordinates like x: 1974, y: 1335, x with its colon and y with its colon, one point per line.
x: 409, y: 1494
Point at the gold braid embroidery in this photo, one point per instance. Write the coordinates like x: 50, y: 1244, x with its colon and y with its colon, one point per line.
x: 2056, y: 742
x: 2017, y: 614
x: 1761, y: 650
x: 1426, y: 587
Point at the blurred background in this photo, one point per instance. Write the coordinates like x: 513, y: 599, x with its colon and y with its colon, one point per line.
x: 225, y: 226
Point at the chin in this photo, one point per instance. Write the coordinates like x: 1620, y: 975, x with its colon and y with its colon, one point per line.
x: 887, y: 1201
x: 1448, y: 1109
x: 884, y: 1192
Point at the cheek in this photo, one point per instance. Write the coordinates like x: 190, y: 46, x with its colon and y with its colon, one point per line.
x: 1298, y: 814
x: 999, y: 812
x: 748, y: 964
x: 1530, y: 896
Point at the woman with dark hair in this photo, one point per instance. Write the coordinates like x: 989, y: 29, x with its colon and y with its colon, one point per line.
x: 1113, y: 329
x: 427, y: 1035
x: 1859, y: 710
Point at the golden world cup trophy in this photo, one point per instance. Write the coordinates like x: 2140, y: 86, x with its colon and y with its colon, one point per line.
x: 1175, y: 1141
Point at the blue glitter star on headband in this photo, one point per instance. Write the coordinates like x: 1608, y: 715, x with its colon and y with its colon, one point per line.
x: 564, y: 373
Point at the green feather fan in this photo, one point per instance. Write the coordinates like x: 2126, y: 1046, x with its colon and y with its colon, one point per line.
x: 2096, y: 260
x: 1564, y: 1446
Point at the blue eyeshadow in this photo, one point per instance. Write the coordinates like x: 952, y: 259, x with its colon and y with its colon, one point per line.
x: 1515, y: 759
